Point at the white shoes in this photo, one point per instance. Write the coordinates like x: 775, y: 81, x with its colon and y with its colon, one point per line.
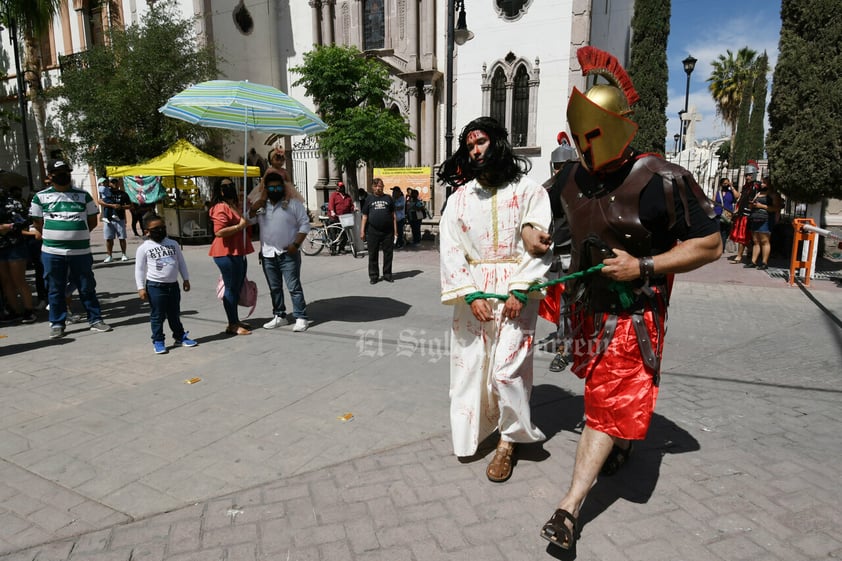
x: 276, y: 322
x: 108, y: 259
x: 301, y: 324
x: 124, y: 257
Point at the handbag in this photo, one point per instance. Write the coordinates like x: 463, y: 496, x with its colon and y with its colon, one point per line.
x: 727, y: 216
x: 248, y: 293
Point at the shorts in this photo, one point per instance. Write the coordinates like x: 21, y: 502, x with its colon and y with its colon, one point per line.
x: 17, y: 252
x: 114, y: 229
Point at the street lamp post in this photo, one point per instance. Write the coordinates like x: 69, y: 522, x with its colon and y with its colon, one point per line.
x: 689, y: 64
x: 13, y: 37
x: 676, y: 137
x: 457, y: 34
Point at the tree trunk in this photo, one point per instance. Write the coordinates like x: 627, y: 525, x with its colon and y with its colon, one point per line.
x: 35, y: 93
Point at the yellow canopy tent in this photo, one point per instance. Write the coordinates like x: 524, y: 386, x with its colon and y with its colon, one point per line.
x: 183, y: 159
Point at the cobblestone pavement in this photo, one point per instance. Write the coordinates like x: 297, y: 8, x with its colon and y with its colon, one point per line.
x: 334, y: 444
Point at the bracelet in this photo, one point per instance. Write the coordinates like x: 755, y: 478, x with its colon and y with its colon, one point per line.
x: 647, y: 267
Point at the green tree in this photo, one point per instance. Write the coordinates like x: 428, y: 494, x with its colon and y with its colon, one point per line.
x: 351, y: 92
x: 32, y: 18
x: 109, y: 98
x: 738, y: 156
x: 805, y: 116
x: 648, y: 71
x: 727, y: 82
x: 755, y: 137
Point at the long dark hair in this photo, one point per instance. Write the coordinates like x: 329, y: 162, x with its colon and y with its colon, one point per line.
x: 220, y: 194
x: 502, y: 164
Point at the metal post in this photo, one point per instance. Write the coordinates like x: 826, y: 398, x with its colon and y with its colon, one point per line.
x: 13, y: 36
x: 448, y: 87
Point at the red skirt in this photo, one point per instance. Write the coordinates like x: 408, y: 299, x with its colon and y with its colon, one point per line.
x: 739, y: 231
x: 620, y: 392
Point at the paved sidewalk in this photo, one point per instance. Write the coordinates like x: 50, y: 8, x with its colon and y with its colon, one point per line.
x: 107, y: 454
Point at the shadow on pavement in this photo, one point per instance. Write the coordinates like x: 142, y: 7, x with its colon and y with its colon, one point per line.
x: 637, y: 480
x: 357, y: 309
x: 406, y: 274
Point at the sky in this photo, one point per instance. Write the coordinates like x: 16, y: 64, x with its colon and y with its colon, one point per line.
x: 705, y: 30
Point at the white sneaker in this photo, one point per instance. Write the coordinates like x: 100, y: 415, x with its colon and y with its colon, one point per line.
x: 108, y: 259
x: 276, y: 322
x: 301, y: 324
x: 124, y: 257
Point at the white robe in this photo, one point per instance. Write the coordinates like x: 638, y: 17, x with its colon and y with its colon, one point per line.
x: 491, y: 362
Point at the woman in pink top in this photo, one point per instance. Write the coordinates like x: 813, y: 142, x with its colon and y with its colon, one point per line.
x: 229, y: 249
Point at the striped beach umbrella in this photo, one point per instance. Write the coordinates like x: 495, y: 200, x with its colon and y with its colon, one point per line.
x: 245, y: 106
x: 242, y: 105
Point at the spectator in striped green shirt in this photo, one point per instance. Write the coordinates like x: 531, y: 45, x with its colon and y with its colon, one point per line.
x: 64, y: 217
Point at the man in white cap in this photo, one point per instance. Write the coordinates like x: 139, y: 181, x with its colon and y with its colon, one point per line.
x: 64, y: 217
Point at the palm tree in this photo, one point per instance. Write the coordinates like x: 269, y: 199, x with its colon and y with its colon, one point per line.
x: 32, y: 19
x: 727, y: 82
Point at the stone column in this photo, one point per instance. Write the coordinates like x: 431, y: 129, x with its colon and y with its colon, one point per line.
x: 428, y: 155
x: 428, y: 43
x: 414, y: 120
x: 327, y: 22
x: 412, y: 34
x: 315, y: 5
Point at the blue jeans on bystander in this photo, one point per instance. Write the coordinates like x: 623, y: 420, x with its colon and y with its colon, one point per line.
x: 233, y: 271
x: 285, y: 268
x: 78, y: 269
x: 165, y: 301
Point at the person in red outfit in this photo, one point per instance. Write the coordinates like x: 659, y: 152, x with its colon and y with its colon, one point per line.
x: 643, y: 219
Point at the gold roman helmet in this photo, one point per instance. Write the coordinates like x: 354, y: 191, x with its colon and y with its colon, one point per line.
x: 597, y: 118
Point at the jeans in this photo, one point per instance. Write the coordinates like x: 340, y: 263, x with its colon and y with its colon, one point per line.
x: 400, y: 243
x: 415, y: 225
x: 233, y: 271
x: 165, y: 301
x: 285, y: 268
x: 378, y: 240
x: 78, y: 269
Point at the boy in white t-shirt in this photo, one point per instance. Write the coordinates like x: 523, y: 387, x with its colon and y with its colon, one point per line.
x: 158, y: 263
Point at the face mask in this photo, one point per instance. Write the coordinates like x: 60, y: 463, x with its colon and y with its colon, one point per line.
x: 275, y: 193
x: 60, y: 178
x: 158, y: 234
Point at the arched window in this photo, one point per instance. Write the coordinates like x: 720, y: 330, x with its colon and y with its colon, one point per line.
x: 375, y: 25
x: 509, y: 92
x: 520, y: 107
x: 498, y: 96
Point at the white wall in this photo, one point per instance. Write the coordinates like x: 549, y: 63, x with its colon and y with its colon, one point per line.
x: 543, y: 33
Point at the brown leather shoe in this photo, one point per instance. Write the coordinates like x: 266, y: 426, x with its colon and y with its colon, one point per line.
x: 500, y: 467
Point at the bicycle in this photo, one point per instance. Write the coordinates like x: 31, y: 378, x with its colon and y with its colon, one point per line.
x: 329, y: 235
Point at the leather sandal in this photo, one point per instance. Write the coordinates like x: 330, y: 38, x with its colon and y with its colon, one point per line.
x: 500, y: 467
x: 237, y: 330
x: 557, y: 532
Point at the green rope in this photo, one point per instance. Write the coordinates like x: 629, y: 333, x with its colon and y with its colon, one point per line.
x: 622, y: 289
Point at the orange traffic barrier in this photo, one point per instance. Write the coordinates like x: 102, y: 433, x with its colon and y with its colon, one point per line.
x: 808, y: 238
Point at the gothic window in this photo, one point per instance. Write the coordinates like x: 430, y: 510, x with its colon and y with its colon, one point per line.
x: 520, y: 107
x: 512, y: 9
x: 509, y: 92
x: 375, y: 25
x: 498, y: 96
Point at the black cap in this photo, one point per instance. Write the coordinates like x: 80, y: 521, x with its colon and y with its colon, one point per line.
x: 57, y: 165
